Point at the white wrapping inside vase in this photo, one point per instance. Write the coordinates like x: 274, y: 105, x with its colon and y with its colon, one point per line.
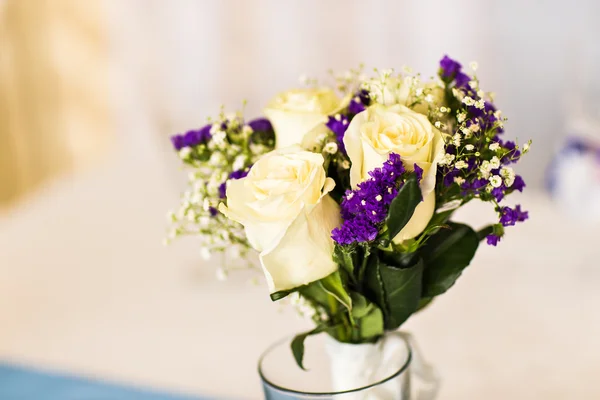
x: 359, y: 365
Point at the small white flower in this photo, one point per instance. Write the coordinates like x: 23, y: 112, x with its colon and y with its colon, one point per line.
x: 206, y: 204
x: 456, y: 139
x: 526, y: 147
x: 459, y: 180
x: 346, y: 164
x: 185, y: 153
x: 219, y: 137
x: 474, y: 127
x: 419, y: 91
x: 338, y: 117
x: 468, y: 101
x: 247, y: 130
x: 485, y: 169
x: 473, y: 84
x: 447, y: 159
x: 469, y: 147
x: 495, y: 162
x: 364, y: 203
x: 239, y: 162
x: 495, y: 146
x: 205, y: 253
x: 438, y: 124
x: 461, y: 164
x: 221, y: 274
x: 331, y: 148
x: 461, y: 117
x: 509, y: 176
x: 429, y: 98
x: 480, y: 104
x: 378, y: 197
x: 474, y: 65
x: 495, y: 181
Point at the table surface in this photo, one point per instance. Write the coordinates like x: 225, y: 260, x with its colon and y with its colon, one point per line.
x: 87, y: 288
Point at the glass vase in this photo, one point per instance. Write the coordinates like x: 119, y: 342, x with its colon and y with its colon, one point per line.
x: 391, y: 369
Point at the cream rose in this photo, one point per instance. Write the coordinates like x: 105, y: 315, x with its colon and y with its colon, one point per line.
x: 380, y: 130
x: 287, y: 215
x: 296, y: 112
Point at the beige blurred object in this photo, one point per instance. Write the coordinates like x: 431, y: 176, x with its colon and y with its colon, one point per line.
x: 55, y: 113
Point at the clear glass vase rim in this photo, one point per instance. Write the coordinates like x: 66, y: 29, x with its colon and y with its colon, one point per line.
x: 292, y: 391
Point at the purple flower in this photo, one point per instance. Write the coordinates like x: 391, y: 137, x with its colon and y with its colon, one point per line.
x: 510, y: 216
x: 498, y: 193
x: 177, y: 141
x: 213, y: 211
x: 338, y: 126
x: 365, y: 208
x: 449, y: 68
x: 462, y: 80
x: 356, y: 106
x: 418, y: 172
x: 519, y: 183
x: 191, y: 138
x: 493, y: 240
x: 260, y: 125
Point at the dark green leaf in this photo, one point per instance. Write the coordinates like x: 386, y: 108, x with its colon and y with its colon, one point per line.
x: 424, y: 302
x: 403, y: 206
x: 446, y: 254
x: 298, y: 344
x: 484, y: 232
x: 368, y: 317
x: 396, y: 291
x: 281, y: 294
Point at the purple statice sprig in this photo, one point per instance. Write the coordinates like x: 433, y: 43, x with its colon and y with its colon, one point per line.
x: 507, y: 217
x: 365, y: 209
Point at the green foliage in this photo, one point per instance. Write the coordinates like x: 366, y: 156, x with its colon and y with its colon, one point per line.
x: 446, y: 254
x: 403, y: 206
x: 396, y: 291
x: 298, y: 344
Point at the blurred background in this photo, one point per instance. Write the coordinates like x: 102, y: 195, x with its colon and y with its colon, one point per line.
x: 90, y: 92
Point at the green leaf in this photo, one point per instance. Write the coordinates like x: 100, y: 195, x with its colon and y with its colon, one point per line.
x: 424, y: 303
x: 403, y: 206
x: 281, y: 294
x: 344, y: 259
x: 333, y: 285
x: 298, y: 344
x: 484, y: 232
x: 368, y: 317
x: 396, y: 291
x: 446, y: 254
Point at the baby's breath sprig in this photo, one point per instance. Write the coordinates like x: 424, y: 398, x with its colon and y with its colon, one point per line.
x: 220, y: 151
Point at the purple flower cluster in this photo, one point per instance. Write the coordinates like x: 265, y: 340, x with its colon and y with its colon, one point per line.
x: 365, y: 208
x: 510, y: 216
x: 191, y: 138
x: 359, y: 102
x: 260, y: 125
x: 338, y: 126
x: 452, y: 70
x: 239, y: 174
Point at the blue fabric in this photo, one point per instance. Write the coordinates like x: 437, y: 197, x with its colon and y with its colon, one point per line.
x: 19, y: 383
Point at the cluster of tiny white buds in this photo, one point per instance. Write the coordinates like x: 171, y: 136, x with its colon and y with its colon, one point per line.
x: 456, y: 139
x: 495, y: 146
x: 480, y: 104
x: 469, y: 147
x: 429, y: 98
x: 331, y: 148
x: 526, y: 147
x: 508, y: 175
x: 474, y: 65
x: 447, y: 159
x: 459, y: 180
x: 495, y: 162
x: 468, y: 100
x: 221, y: 274
x: 461, y: 164
x: 485, y: 169
x: 205, y: 253
x: 495, y: 181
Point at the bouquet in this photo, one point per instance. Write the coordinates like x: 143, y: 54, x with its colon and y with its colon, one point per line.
x: 347, y: 193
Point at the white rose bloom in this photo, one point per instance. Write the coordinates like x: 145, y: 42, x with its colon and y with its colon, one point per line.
x: 287, y: 215
x: 296, y: 112
x: 378, y: 131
